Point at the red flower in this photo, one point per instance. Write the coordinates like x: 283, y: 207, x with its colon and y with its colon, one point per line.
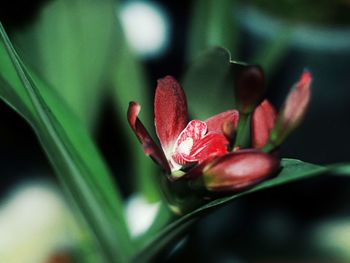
x: 190, y: 149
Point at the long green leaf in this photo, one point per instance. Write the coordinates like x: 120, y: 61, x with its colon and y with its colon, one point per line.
x: 70, y: 150
x: 292, y: 170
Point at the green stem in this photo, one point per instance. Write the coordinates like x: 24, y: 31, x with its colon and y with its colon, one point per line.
x: 243, y: 127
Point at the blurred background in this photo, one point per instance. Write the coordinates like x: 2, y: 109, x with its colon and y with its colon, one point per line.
x: 99, y: 55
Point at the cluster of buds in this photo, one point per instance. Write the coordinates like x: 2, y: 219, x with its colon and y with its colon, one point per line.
x: 212, y: 150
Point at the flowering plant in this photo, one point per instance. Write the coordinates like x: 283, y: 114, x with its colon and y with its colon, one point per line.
x: 208, y: 162
x: 212, y: 151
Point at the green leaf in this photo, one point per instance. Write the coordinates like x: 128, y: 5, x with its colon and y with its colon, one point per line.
x: 130, y: 84
x: 208, y: 83
x: 292, y: 170
x: 70, y: 46
x: 70, y: 151
x: 270, y: 55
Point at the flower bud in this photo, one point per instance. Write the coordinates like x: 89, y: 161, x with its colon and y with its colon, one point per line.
x: 239, y: 170
x: 293, y: 110
x: 249, y: 88
x: 262, y: 122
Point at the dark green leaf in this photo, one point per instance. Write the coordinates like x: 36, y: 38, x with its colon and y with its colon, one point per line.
x: 292, y: 170
x: 208, y: 83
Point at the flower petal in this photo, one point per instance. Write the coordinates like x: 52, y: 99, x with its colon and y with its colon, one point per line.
x: 293, y: 109
x: 212, y: 144
x: 216, y: 122
x: 194, y: 145
x: 149, y: 146
x: 263, y: 120
x: 170, y: 110
x: 194, y: 131
x: 239, y: 170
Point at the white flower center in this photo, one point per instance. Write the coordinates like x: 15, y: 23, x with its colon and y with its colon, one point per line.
x: 185, y: 146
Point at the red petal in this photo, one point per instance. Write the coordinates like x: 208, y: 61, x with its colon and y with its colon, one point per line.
x: 263, y: 120
x: 170, y: 110
x: 239, y: 170
x: 212, y: 144
x: 194, y: 131
x: 194, y: 145
x: 149, y: 146
x: 216, y: 122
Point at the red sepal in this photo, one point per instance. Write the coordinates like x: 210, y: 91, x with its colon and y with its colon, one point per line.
x: 149, y: 146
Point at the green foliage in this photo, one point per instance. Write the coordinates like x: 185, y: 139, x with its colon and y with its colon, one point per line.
x: 208, y: 83
x: 69, y: 45
x: 70, y: 150
x: 211, y: 24
x: 292, y: 170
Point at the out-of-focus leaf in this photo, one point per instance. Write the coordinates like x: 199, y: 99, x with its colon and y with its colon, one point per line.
x: 292, y: 170
x: 70, y: 46
x: 208, y: 83
x: 129, y: 84
x: 69, y: 149
x: 272, y: 53
x: 340, y: 169
x: 211, y: 24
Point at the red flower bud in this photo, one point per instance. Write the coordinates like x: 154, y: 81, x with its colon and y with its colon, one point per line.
x: 239, y: 170
x: 263, y: 120
x: 293, y: 110
x: 249, y: 88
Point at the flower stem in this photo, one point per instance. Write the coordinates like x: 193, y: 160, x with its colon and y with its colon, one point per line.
x: 243, y: 127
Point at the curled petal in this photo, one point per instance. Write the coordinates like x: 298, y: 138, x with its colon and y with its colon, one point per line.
x: 149, y: 146
x: 170, y: 110
x: 249, y: 88
x: 216, y: 122
x: 293, y: 110
x: 212, y: 144
x: 194, y: 132
x: 239, y: 170
x: 263, y: 120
